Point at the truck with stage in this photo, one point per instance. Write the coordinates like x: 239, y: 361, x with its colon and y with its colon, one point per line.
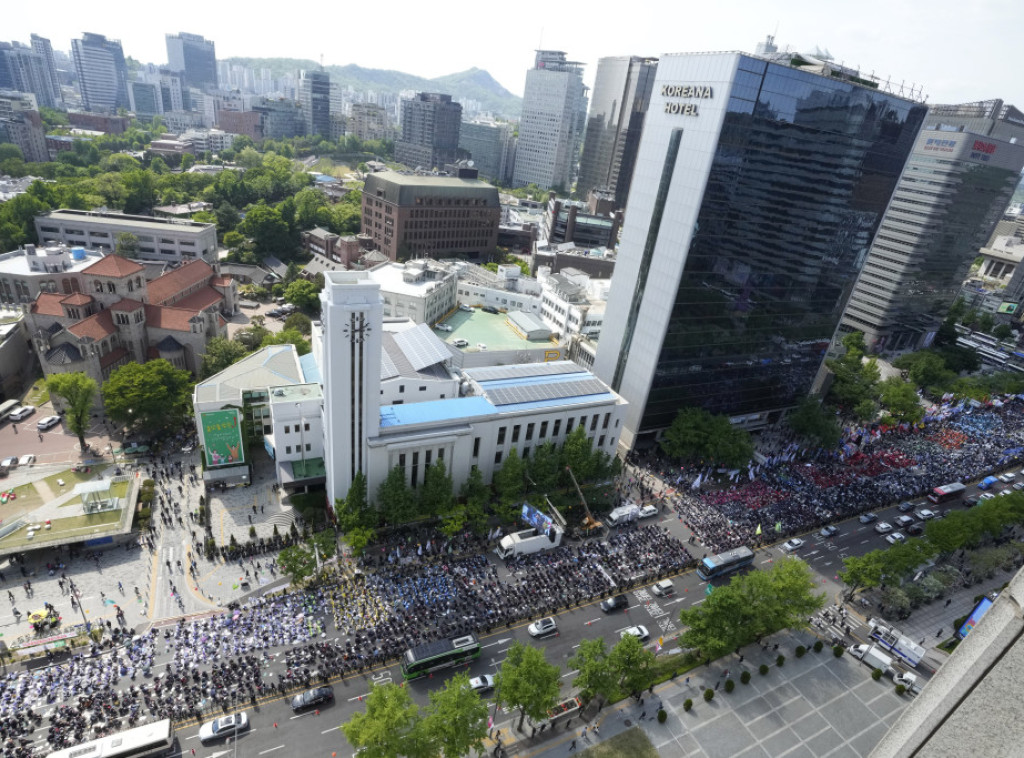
x: 545, y: 533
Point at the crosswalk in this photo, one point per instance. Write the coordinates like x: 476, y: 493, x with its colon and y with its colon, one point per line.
x: 838, y: 626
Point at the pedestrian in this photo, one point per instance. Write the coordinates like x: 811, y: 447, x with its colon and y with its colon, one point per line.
x: 583, y: 734
x: 40, y: 436
x: 597, y: 730
x: 948, y: 601
x: 938, y: 633
x: 572, y: 746
x: 643, y: 715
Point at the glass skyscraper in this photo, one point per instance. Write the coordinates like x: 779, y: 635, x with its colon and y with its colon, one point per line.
x: 618, y: 105
x: 758, y: 189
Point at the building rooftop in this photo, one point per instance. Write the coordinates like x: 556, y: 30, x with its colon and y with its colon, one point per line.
x: 402, y: 188
x: 165, y: 287
x: 114, y: 266
x: 273, y: 366
x: 124, y: 220
x: 415, y: 278
x: 294, y: 393
x: 19, y: 263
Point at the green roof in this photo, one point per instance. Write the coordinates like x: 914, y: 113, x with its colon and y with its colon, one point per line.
x: 403, y: 189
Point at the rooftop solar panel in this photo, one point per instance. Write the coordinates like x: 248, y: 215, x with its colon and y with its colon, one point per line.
x: 422, y: 347
x: 536, y: 392
x: 495, y: 373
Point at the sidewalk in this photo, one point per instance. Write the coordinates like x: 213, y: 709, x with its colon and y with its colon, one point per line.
x: 813, y: 706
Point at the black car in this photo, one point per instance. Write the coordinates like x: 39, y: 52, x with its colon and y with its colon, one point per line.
x: 489, y: 309
x: 972, y: 501
x: 905, y: 506
x: 275, y: 313
x: 614, y: 603
x: 310, y: 698
x: 916, y: 529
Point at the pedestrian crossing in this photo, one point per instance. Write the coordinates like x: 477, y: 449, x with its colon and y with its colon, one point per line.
x: 838, y: 626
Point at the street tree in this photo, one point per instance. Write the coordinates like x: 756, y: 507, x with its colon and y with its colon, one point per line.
x: 631, y: 664
x: 297, y: 562
x: 474, y: 491
x: 510, y: 481
x: 862, y: 571
x: 221, y: 353
x: 596, y: 677
x: 126, y: 245
x: 269, y: 233
x: 901, y: 400
x: 577, y: 454
x: 816, y: 422
x: 436, y: 495
x: 391, y: 726
x: 397, y: 502
x: 304, y: 294
x: 78, y: 391
x: 542, y: 468
x: 354, y: 510
x: 300, y: 323
x: 287, y: 337
x: 455, y: 723
x: 855, y: 379
x: 528, y: 682
x: 154, y: 396
x: 697, y: 435
x: 925, y: 368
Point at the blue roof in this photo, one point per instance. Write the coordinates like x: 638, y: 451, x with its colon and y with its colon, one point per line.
x: 435, y: 411
x: 554, y: 402
x: 310, y: 369
x: 522, y: 381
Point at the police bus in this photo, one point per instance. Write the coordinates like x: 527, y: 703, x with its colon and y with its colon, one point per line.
x: 431, y: 656
x: 715, y: 566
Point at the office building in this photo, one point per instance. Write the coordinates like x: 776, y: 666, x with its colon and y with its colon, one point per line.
x: 988, y: 118
x: 241, y: 122
x: 172, y: 240
x: 194, y: 58
x: 278, y: 119
x: 551, y: 125
x: 315, y: 101
x: 368, y: 121
x: 102, y: 73
x: 492, y: 148
x: 25, y: 129
x: 145, y: 99
x: 573, y: 221
x: 618, y: 106
x: 24, y: 69
x: 42, y: 46
x: 951, y: 195
x: 758, y: 187
x: 430, y: 131
x: 408, y: 215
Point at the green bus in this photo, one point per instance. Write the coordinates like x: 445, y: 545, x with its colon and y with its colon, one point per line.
x: 431, y: 656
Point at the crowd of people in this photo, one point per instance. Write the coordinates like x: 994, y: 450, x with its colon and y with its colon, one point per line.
x: 794, y: 490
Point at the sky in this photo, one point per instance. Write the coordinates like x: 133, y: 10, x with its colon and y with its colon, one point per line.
x: 953, y: 51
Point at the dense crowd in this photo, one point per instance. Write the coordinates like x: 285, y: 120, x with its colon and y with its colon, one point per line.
x: 794, y: 489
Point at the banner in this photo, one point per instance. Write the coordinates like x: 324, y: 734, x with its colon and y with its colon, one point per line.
x: 222, y: 437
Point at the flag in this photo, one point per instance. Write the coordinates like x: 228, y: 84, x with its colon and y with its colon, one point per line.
x: 758, y: 532
x: 778, y: 526
x: 661, y: 641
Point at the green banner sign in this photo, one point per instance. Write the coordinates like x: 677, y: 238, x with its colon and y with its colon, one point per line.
x: 222, y: 438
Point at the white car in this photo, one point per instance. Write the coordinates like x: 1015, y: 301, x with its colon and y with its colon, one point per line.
x: 460, y: 342
x: 883, y: 527
x: 664, y: 588
x: 26, y: 460
x: 924, y: 514
x: 22, y: 412
x: 648, y: 511
x: 1007, y: 477
x: 895, y: 538
x: 481, y: 346
x: 482, y: 683
x: 988, y: 496
x: 225, y: 726
x: 640, y: 632
x: 543, y: 627
x: 47, y: 422
x: 443, y: 327
x: 792, y: 545
x: 464, y: 307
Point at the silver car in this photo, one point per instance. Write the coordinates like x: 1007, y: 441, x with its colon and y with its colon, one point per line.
x: 225, y: 726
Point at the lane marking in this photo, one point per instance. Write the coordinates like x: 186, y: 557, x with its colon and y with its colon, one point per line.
x: 272, y: 749
x: 333, y: 728
x: 359, y: 697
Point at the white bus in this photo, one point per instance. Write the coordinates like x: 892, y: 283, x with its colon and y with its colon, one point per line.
x: 148, y: 741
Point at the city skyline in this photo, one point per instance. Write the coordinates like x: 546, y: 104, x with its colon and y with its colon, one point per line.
x: 876, y: 39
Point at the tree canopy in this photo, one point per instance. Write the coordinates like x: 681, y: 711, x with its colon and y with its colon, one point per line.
x: 78, y: 391
x: 153, y: 396
x: 697, y: 435
x: 528, y: 682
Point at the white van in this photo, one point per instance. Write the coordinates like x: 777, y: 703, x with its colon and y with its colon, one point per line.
x: 664, y: 588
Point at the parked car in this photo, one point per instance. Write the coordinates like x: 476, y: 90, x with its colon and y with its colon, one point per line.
x: 640, y: 632
x: 489, y: 309
x: 8, y: 463
x: 225, y: 726
x: 443, y: 327
x: 310, y: 698
x: 481, y: 346
x: 460, y: 342
x: 26, y: 460
x: 915, y: 530
x: 47, y: 422
x: 867, y: 518
x: 924, y: 514
x: 614, y: 603
x: 792, y: 545
x: 894, y: 538
x: 22, y: 412
x: 275, y: 313
x: 542, y: 627
x: 464, y: 307
x: 482, y: 683
x: 829, y: 531
x: 883, y: 527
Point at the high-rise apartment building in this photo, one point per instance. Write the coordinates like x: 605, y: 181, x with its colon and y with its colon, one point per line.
x: 618, y: 105
x: 368, y: 121
x: 953, y: 191
x: 43, y: 47
x: 492, y: 148
x: 102, y: 74
x: 24, y: 69
x: 194, y: 57
x: 315, y: 100
x: 430, y: 131
x: 551, y: 125
x: 758, y: 189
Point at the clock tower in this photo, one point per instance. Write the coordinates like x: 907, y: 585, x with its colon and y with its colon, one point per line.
x: 352, y: 313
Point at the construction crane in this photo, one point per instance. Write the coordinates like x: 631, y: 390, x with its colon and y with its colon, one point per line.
x: 589, y: 522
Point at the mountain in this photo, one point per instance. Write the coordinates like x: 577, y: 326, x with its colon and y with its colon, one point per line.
x: 473, y: 84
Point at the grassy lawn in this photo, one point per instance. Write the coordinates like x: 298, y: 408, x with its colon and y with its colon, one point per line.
x: 38, y: 394
x: 74, y: 526
x: 71, y: 478
x: 28, y: 496
x: 632, y: 743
